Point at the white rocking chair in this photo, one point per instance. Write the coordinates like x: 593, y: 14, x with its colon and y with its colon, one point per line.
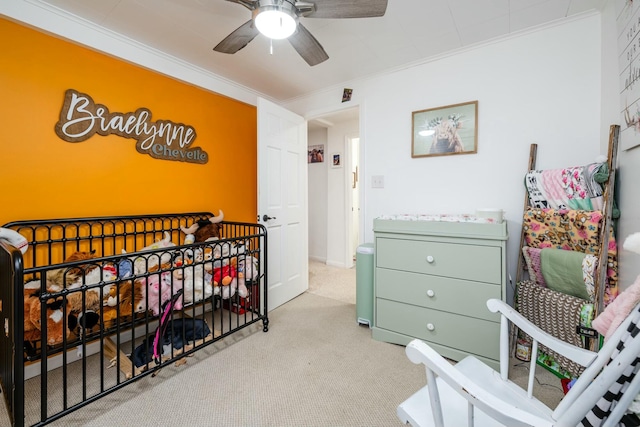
x: 471, y: 393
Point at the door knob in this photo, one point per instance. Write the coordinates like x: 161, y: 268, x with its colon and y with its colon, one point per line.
x: 266, y: 217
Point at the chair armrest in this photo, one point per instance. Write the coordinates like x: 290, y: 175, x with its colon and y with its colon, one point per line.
x: 476, y: 393
x: 579, y: 355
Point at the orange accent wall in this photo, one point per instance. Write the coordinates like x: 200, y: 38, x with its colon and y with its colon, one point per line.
x: 42, y: 176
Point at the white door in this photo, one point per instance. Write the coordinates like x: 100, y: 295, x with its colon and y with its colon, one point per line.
x: 282, y: 200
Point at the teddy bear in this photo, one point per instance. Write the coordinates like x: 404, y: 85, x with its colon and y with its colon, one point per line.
x: 196, y: 282
x: 204, y: 230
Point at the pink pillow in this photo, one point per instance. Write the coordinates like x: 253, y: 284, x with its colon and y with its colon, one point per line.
x: 532, y: 258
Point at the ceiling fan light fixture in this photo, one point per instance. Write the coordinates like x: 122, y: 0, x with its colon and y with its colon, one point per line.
x: 276, y: 19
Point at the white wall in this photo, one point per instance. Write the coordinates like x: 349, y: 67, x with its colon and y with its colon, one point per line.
x: 628, y: 175
x: 542, y: 87
x: 317, y: 176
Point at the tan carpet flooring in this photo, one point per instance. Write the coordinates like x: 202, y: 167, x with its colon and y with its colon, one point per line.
x: 315, y: 367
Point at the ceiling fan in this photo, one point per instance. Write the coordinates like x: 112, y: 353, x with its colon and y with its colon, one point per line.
x: 279, y: 19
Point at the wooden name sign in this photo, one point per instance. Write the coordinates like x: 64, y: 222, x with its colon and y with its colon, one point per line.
x: 81, y: 118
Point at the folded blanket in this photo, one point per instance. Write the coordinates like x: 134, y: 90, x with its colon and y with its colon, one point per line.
x: 573, y: 230
x: 568, y: 188
x: 608, y: 321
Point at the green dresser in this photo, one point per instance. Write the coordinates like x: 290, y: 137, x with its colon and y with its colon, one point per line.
x: 432, y: 281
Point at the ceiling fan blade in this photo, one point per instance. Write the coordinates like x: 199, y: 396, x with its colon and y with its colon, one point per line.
x: 238, y: 38
x: 307, y: 46
x: 348, y: 9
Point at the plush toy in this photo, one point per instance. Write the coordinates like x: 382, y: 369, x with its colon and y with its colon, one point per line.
x: 246, y: 263
x: 31, y: 292
x: 142, y: 264
x: 614, y: 314
x: 204, y: 230
x: 128, y: 296
x: 159, y: 291
x: 241, y: 286
x: 60, y: 278
x: 125, y: 268
x: 226, y: 276
x: 93, y: 298
x: 196, y: 282
x: 57, y: 280
x: 54, y: 315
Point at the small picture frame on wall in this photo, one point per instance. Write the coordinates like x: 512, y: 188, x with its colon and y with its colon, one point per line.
x: 315, y: 153
x: 336, y: 160
x: 442, y: 131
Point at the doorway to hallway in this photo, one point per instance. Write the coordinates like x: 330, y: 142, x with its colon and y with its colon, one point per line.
x: 335, y: 191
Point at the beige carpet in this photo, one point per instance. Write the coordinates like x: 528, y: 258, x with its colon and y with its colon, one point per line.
x: 315, y: 367
x: 332, y: 282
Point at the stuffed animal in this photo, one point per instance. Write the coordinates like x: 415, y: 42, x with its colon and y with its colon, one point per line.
x: 60, y: 278
x: 31, y: 292
x: 142, y: 264
x: 93, y: 297
x: 55, y: 312
x: 241, y: 279
x: 159, y: 291
x: 246, y: 263
x: 196, y: 282
x: 204, y: 230
x: 226, y: 276
x: 129, y: 297
x: 57, y: 280
x: 614, y: 314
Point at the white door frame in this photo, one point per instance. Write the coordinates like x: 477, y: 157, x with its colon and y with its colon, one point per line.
x: 348, y: 141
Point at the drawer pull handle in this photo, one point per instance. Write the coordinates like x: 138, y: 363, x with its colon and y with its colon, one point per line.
x: 430, y: 259
x: 430, y: 293
x: 430, y: 326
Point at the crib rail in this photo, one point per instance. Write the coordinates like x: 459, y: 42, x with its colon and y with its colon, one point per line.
x: 11, y: 343
x: 94, y: 361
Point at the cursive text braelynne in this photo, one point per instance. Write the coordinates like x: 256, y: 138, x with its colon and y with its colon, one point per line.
x: 81, y: 118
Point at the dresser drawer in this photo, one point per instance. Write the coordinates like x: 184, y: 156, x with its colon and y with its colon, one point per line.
x: 467, y: 334
x: 462, y: 261
x: 440, y: 293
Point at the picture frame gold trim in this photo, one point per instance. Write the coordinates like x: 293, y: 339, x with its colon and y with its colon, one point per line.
x: 443, y: 131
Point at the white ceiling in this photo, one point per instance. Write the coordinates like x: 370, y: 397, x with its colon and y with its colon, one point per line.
x: 411, y: 32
